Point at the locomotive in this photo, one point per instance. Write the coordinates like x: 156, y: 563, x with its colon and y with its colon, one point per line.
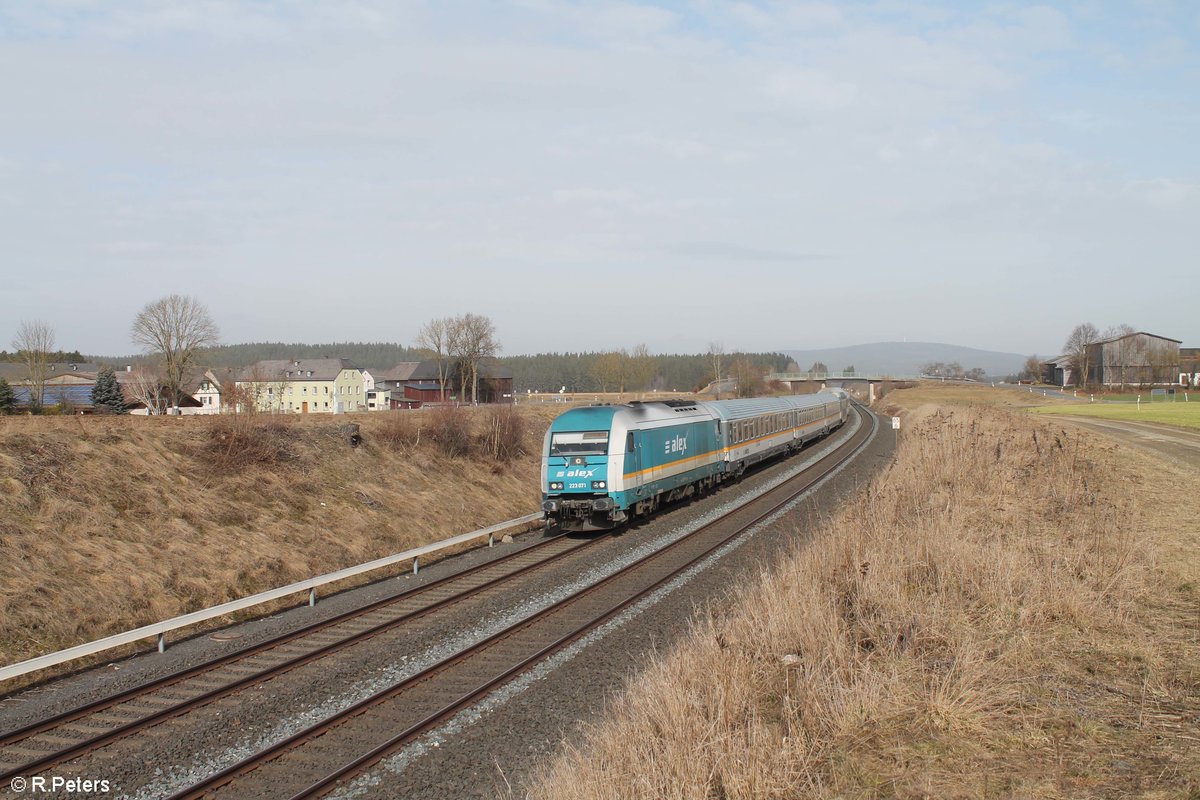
x: 606, y: 464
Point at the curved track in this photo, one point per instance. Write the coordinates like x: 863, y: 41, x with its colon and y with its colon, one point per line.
x: 36, y: 747
x: 314, y: 760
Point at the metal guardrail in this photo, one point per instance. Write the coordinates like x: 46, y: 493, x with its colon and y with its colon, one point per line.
x: 161, y: 629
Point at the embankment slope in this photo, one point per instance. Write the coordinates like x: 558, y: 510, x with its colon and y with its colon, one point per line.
x: 111, y: 523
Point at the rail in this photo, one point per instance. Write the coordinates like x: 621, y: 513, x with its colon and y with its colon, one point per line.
x: 310, y: 585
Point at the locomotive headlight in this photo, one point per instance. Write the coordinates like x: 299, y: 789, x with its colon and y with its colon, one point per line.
x: 556, y: 485
x: 598, y: 484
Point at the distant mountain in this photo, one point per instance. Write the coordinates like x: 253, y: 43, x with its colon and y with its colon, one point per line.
x: 907, y: 358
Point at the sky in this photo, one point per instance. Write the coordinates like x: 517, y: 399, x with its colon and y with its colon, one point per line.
x: 601, y: 175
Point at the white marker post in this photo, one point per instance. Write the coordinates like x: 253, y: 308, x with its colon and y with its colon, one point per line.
x: 895, y: 423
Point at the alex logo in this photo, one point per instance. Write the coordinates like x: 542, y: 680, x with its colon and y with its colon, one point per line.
x: 576, y: 473
x: 676, y: 445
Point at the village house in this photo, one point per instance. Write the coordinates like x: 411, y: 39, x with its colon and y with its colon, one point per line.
x: 302, y: 386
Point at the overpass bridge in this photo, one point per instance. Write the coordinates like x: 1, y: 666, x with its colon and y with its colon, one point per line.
x: 806, y: 382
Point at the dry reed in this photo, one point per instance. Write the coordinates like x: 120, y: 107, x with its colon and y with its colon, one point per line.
x: 972, y: 626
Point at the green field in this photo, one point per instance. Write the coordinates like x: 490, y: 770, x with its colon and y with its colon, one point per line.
x: 1180, y: 414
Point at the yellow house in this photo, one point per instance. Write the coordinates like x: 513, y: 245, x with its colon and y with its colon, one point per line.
x: 303, y: 386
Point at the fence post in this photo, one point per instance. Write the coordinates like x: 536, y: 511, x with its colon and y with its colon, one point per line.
x: 416, y: 566
x: 162, y: 642
x: 312, y: 596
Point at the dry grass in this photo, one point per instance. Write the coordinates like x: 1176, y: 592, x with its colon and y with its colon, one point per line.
x: 1010, y: 611
x: 111, y: 523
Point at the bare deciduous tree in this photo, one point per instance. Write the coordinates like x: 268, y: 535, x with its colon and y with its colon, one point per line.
x: 641, y: 368
x: 472, y: 340
x: 174, y: 329
x: 1121, y: 356
x: 1163, y: 362
x: 434, y: 337
x: 34, y: 343
x: 1078, y: 348
x: 261, y: 390
x: 747, y: 378
x: 607, y: 370
x: 716, y: 354
x: 145, y: 385
x: 1032, y: 371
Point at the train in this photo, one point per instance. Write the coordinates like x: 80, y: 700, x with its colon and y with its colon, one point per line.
x: 604, y: 465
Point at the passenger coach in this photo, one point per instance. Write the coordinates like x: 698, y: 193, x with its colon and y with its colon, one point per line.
x: 602, y: 465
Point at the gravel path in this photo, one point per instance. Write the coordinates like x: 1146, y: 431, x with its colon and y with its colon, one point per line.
x: 1181, y: 446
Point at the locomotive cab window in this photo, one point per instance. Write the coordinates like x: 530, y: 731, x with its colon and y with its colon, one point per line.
x: 629, y: 442
x: 577, y: 443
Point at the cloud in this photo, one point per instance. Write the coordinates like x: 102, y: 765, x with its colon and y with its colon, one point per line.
x: 726, y: 252
x: 439, y: 156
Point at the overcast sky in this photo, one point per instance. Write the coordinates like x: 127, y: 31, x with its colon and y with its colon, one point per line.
x: 599, y: 175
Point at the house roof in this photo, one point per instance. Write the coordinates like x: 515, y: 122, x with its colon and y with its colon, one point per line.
x: 316, y: 369
x: 401, y: 372
x: 13, y: 371
x: 1121, y: 336
x: 428, y: 370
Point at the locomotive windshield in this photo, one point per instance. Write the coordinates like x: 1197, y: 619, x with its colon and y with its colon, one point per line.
x: 578, y: 443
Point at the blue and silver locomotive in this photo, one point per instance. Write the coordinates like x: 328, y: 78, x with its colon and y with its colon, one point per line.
x: 603, y: 465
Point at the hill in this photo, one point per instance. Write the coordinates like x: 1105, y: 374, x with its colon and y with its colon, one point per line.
x: 906, y: 358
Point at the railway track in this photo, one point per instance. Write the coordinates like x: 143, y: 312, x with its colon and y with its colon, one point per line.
x: 313, y: 761
x: 39, y: 746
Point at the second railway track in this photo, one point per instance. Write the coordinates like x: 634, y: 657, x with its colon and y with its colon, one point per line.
x: 36, y: 747
x: 315, y: 760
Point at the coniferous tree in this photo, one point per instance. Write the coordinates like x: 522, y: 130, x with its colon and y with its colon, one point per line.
x: 7, y: 398
x: 106, y: 395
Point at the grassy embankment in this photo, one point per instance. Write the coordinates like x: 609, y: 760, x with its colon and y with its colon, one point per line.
x: 1011, y: 610
x: 111, y: 523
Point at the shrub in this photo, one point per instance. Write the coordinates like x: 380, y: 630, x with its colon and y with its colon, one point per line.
x: 504, y: 430
x: 450, y: 431
x: 237, y: 441
x: 399, y: 431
